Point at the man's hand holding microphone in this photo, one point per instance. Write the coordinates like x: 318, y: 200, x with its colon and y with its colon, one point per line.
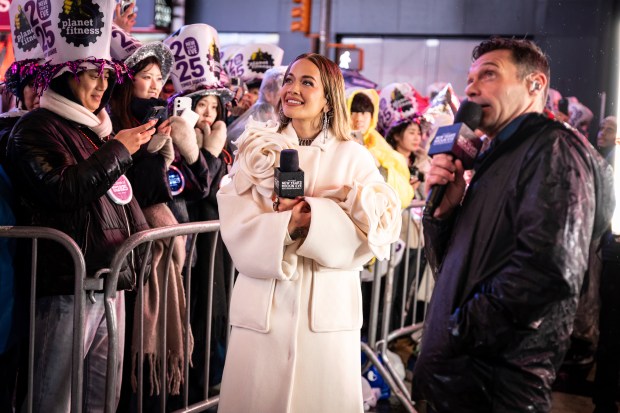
x: 453, y: 150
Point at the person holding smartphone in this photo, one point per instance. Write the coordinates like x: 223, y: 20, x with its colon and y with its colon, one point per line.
x: 168, y: 165
x: 207, y: 97
x: 68, y: 171
x: 174, y: 150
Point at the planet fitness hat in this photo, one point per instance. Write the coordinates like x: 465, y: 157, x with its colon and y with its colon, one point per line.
x: 127, y: 48
x: 75, y: 36
x: 229, y: 51
x: 250, y: 62
x: 197, y: 70
x: 26, y: 49
x: 25, y: 43
x: 398, y: 101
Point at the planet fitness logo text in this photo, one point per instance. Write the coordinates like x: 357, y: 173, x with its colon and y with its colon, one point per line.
x: 260, y: 62
x: 38, y: 16
x: 80, y: 22
x: 24, y: 36
x: 400, y: 102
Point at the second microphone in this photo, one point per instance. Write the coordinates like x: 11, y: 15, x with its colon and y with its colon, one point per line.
x: 288, y: 179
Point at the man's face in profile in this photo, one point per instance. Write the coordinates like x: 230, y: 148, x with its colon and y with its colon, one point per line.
x: 494, y: 84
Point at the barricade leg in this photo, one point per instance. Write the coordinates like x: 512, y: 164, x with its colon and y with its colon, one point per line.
x: 407, y: 304
x: 165, y: 281
x: 73, y: 315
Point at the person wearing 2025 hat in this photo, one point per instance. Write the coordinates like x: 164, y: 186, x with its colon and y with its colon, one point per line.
x: 197, y: 46
x: 19, y: 78
x: 68, y: 173
x: 209, y: 95
x: 129, y: 106
x: 150, y: 65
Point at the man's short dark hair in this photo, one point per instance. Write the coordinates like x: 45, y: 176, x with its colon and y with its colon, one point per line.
x: 527, y: 56
x: 362, y: 103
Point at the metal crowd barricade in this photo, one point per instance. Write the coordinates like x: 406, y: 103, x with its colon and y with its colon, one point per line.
x: 147, y: 237
x: 82, y: 284
x: 410, y: 298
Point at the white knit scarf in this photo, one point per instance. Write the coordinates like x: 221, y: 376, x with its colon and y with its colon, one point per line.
x: 60, y: 105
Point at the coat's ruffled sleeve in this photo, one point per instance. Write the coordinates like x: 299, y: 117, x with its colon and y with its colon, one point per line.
x: 256, y: 236
x: 375, y: 209
x: 359, y: 221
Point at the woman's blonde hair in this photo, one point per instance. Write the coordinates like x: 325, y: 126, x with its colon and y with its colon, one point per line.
x: 333, y: 88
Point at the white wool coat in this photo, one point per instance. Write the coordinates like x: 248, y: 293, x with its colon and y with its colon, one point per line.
x: 296, y: 309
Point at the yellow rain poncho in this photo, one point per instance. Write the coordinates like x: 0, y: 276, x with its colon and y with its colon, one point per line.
x: 390, y: 160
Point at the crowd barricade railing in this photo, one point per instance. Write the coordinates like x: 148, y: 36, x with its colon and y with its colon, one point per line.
x: 82, y: 284
x: 410, y: 296
x: 167, y: 234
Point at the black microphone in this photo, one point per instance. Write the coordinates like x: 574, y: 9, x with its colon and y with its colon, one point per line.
x: 458, y: 140
x: 288, y: 179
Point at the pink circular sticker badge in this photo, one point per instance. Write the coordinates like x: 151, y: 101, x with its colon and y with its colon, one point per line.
x: 121, y: 192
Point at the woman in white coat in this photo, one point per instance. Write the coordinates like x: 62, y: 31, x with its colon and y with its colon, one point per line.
x: 296, y: 307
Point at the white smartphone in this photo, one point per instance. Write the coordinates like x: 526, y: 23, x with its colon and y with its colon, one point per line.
x: 180, y: 105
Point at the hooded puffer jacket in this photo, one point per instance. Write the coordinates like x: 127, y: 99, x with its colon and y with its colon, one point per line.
x: 509, y: 266
x: 61, y: 171
x: 393, y: 162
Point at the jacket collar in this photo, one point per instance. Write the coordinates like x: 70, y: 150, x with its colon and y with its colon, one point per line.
x: 500, y: 143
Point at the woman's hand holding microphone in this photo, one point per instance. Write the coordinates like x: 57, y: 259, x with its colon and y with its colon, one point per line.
x: 301, y: 215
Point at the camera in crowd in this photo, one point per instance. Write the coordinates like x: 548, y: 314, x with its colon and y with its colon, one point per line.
x: 416, y: 173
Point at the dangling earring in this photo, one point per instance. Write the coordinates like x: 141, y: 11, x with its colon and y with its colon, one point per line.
x: 283, y: 119
x: 325, y: 126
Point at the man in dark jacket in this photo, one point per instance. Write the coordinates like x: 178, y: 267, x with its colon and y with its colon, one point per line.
x: 509, y: 253
x: 64, y: 164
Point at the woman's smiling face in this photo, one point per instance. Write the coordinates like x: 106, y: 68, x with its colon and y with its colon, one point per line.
x: 302, y: 94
